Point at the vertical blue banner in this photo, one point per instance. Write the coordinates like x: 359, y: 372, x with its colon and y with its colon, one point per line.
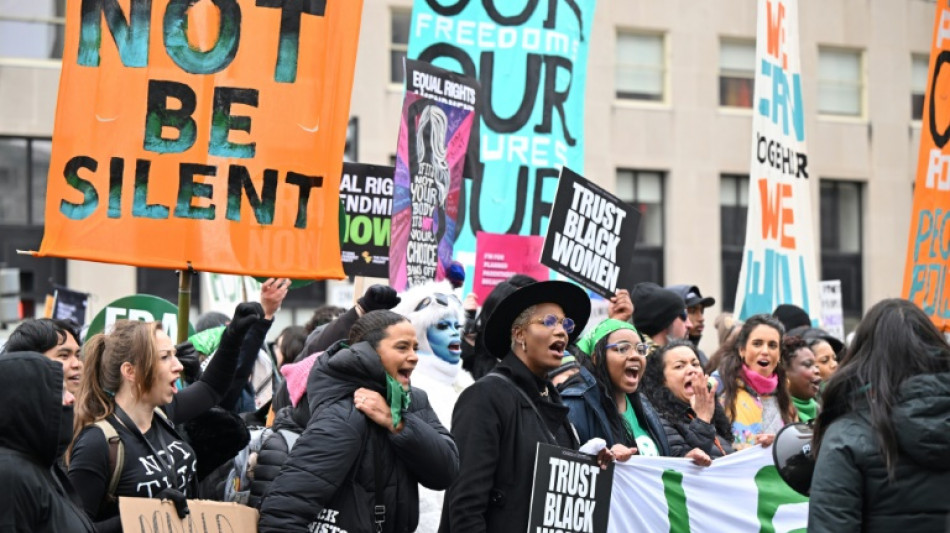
x: 531, y: 60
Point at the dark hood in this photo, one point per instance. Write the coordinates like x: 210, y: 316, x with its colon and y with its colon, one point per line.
x: 336, y: 375
x: 31, y: 393
x: 921, y: 421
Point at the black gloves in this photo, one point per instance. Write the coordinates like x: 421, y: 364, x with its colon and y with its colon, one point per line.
x: 378, y: 297
x: 176, y: 497
x: 245, y: 315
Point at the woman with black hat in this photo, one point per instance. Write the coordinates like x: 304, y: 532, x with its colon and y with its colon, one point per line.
x: 499, y: 421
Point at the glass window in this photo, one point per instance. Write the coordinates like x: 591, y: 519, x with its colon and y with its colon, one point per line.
x: 919, y: 71
x: 33, y: 29
x: 40, y: 151
x: 14, y: 180
x: 641, y: 66
x: 399, y: 45
x: 734, y: 213
x: 644, y: 189
x: 841, y: 240
x: 840, y: 82
x: 736, y: 73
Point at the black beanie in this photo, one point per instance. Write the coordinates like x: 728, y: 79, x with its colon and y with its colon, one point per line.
x: 791, y: 316
x: 655, y: 308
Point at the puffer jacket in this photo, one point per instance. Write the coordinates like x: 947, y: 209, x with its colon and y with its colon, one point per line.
x: 275, y: 450
x: 330, y: 474
x: 36, y: 492
x: 587, y: 413
x: 850, y: 490
x: 686, y: 431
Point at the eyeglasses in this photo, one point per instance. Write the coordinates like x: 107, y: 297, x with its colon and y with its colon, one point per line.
x: 551, y: 321
x: 441, y: 299
x: 683, y: 315
x: 624, y: 347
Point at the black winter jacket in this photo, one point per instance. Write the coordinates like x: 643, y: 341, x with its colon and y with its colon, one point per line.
x: 582, y: 397
x: 339, y: 438
x: 36, y: 493
x: 685, y: 431
x: 850, y: 490
x: 497, y: 432
x: 275, y: 450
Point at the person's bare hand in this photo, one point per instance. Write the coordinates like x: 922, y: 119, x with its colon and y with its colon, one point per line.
x: 374, y: 406
x: 622, y: 453
x: 703, y: 400
x: 471, y: 302
x: 273, y: 292
x: 604, y: 458
x: 699, y: 457
x: 765, y: 439
x: 621, y: 306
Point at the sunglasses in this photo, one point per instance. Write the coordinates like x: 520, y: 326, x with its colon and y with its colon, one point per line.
x: 441, y: 299
x: 624, y: 347
x: 551, y: 321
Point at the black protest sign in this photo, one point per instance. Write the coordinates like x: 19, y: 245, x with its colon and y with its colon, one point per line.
x: 70, y: 305
x: 366, y: 197
x: 460, y: 91
x: 571, y: 492
x: 591, y: 235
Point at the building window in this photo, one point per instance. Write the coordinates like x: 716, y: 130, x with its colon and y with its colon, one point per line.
x: 842, y: 240
x: 840, y: 82
x: 736, y: 73
x: 644, y: 190
x: 641, y: 66
x: 919, y: 71
x: 398, y: 44
x: 24, y: 164
x: 32, y: 30
x: 733, y: 213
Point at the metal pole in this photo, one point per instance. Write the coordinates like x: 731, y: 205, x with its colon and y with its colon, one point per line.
x: 184, y: 303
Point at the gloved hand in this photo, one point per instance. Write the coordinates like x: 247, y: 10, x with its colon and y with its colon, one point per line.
x: 378, y: 297
x: 245, y: 315
x: 177, y: 498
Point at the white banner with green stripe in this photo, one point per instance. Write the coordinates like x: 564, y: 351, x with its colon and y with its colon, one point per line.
x: 739, y: 492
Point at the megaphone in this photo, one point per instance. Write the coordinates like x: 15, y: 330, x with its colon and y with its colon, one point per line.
x: 792, y: 455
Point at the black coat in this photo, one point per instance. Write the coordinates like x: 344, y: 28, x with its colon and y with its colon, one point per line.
x: 583, y: 397
x: 275, y: 451
x: 35, y: 491
x: 850, y: 490
x: 339, y: 438
x: 497, y: 433
x: 685, y: 431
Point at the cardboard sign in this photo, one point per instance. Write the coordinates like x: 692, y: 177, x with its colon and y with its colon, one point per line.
x: 433, y: 142
x: 151, y: 515
x: 927, y: 270
x: 531, y: 58
x: 591, y: 235
x: 202, y: 134
x: 500, y: 256
x: 570, y: 492
x: 779, y: 265
x: 143, y: 307
x: 366, y: 192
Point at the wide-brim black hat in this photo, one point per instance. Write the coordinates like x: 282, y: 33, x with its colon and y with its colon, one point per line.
x: 573, y: 300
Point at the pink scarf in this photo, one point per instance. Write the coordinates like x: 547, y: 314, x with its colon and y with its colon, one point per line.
x: 758, y: 383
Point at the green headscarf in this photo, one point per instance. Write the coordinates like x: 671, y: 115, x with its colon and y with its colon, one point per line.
x: 207, y: 341
x: 608, y: 326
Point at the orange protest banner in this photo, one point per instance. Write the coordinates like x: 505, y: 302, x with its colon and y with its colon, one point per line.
x: 203, y: 132
x: 927, y: 271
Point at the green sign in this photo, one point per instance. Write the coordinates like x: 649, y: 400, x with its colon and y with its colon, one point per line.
x: 143, y: 307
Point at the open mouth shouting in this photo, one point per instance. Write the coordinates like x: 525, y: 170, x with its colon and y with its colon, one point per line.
x: 557, y: 349
x: 455, y: 348
x: 631, y: 373
x: 404, y: 373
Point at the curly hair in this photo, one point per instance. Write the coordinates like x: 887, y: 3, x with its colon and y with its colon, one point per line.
x: 666, y: 404
x: 730, y: 369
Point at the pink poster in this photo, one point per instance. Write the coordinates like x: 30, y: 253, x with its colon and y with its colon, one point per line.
x: 500, y: 256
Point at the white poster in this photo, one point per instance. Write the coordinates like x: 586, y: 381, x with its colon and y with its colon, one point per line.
x: 739, y: 492
x: 779, y: 262
x: 221, y: 292
x: 832, y: 314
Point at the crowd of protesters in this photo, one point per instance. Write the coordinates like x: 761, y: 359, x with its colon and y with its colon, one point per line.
x: 422, y: 411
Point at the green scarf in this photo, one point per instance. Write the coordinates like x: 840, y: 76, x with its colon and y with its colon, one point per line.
x: 807, y: 409
x: 207, y: 341
x: 397, y: 398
